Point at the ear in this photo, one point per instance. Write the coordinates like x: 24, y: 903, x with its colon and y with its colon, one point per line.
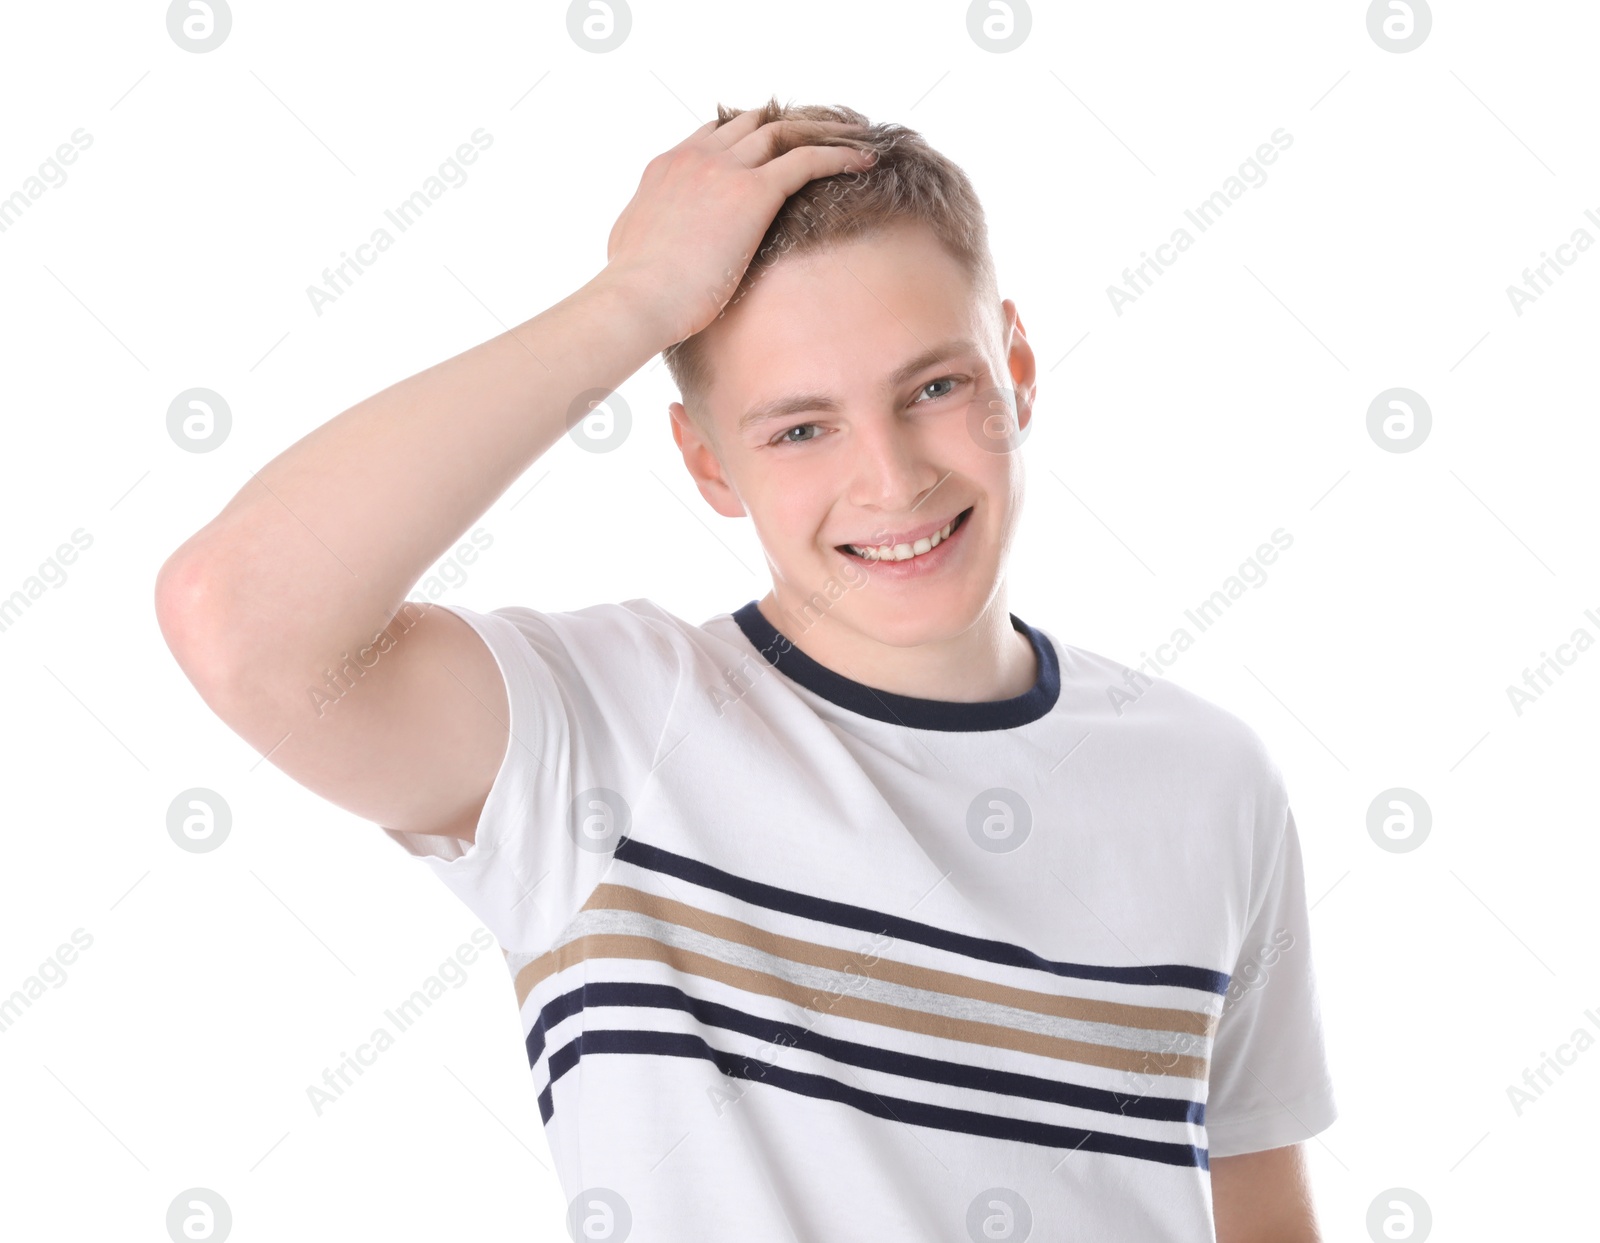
x: 1019, y: 361
x: 703, y: 464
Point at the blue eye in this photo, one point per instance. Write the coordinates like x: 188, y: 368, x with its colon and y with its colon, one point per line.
x: 782, y: 438
x: 786, y: 437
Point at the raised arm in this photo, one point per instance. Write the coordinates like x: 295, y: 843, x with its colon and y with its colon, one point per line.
x: 306, y: 570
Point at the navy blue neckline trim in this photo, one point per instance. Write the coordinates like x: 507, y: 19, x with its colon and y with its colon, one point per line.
x: 907, y: 710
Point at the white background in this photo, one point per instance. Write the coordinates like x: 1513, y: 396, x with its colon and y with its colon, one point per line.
x: 1169, y: 441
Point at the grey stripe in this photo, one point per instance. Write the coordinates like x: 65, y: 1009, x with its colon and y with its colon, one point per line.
x: 631, y: 923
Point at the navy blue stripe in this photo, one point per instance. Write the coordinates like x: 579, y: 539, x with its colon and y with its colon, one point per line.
x: 561, y: 1061
x: 907, y: 1065
x: 563, y: 1007
x: 916, y: 1113
x: 844, y: 915
x: 907, y: 710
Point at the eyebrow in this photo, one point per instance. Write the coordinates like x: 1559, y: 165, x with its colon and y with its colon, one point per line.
x: 797, y: 403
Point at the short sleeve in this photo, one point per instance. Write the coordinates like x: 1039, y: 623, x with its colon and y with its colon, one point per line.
x: 590, y: 692
x: 1269, y: 1083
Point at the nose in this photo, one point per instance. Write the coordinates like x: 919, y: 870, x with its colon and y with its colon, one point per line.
x: 890, y: 468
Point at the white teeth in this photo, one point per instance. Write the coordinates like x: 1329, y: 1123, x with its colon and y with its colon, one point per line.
x: 903, y: 552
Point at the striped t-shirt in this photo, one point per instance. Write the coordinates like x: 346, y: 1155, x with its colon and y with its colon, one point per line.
x: 797, y: 959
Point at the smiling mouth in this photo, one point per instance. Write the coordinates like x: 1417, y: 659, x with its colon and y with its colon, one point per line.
x: 906, y: 552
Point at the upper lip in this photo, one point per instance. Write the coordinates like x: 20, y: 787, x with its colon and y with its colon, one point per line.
x: 910, y: 536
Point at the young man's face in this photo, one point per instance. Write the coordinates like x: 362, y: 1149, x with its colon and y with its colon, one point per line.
x: 834, y: 426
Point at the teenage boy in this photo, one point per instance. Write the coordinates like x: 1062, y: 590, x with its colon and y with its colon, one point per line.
x: 866, y: 910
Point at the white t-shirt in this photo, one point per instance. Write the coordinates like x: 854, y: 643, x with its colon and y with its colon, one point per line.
x: 800, y: 959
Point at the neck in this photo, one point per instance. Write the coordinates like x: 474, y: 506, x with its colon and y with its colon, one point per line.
x: 990, y: 660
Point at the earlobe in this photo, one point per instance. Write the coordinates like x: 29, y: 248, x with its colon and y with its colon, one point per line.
x: 703, y: 465
x: 721, y: 497
x: 1020, y: 362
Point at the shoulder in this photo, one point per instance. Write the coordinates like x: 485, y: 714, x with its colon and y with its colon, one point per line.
x: 620, y: 637
x: 1165, y: 720
x: 614, y: 620
x: 608, y: 675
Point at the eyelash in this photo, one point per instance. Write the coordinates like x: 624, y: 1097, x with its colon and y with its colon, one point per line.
x: 779, y: 438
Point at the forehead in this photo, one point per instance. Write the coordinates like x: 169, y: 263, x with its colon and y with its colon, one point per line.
x: 839, y: 319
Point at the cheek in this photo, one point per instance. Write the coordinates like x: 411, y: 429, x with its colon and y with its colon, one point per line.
x: 1000, y: 480
x: 794, y: 505
x: 790, y: 530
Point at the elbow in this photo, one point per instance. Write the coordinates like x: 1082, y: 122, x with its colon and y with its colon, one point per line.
x: 190, y: 599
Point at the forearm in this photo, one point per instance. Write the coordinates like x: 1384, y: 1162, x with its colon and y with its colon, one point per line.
x: 1263, y: 1197
x: 320, y: 547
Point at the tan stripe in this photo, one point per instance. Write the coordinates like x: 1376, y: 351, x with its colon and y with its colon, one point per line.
x: 972, y: 1032
x: 1117, y: 1014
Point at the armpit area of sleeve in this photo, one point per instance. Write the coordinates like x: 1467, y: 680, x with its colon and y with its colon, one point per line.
x: 495, y: 874
x: 1289, y: 1123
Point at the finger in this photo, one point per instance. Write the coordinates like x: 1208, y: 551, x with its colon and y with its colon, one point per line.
x: 735, y: 130
x: 793, y: 169
x: 699, y: 134
x: 701, y: 131
x: 758, y: 147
